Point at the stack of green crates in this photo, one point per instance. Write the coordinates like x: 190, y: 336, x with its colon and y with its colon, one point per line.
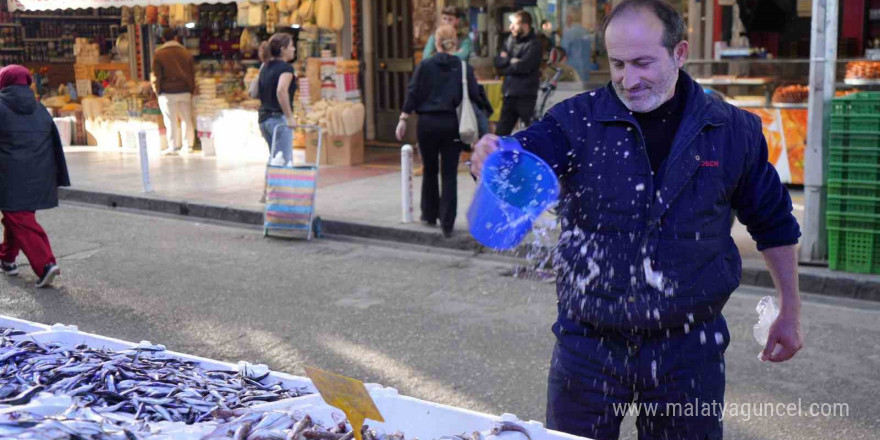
x: 853, y: 209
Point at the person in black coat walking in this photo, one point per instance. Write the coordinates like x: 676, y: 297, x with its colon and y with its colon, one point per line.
x: 520, y: 63
x: 32, y: 167
x: 435, y: 91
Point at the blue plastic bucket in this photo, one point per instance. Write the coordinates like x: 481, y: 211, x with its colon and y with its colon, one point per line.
x: 515, y: 188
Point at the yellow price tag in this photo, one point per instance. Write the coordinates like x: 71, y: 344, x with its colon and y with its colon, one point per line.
x: 347, y: 394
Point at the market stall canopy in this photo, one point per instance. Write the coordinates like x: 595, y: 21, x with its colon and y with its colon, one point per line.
x: 49, y: 5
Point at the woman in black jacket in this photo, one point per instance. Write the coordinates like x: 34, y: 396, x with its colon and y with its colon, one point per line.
x: 32, y: 167
x: 435, y: 91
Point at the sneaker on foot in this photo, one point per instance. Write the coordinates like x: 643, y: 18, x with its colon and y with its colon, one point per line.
x: 447, y: 233
x: 168, y: 152
x: 49, y: 273
x: 9, y: 269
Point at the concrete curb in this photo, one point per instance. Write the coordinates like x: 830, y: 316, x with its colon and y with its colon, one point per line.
x: 812, y: 280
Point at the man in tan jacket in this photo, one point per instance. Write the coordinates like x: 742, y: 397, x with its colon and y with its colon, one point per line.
x: 174, y: 81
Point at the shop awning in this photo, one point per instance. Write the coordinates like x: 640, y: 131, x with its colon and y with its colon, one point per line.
x: 49, y: 5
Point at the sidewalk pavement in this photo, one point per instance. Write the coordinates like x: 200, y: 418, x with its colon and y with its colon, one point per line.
x: 362, y: 201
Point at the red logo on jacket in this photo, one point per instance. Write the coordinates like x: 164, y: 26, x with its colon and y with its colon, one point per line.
x: 710, y: 163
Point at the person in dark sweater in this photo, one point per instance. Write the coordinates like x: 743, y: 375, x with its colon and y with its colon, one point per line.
x: 435, y: 91
x: 652, y: 170
x: 32, y: 167
x: 276, y: 86
x: 520, y: 63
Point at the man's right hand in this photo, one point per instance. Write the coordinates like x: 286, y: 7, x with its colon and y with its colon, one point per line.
x: 484, y: 147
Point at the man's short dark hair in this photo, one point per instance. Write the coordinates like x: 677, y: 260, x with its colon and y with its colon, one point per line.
x: 524, y: 17
x: 673, y: 23
x: 169, y: 34
x: 454, y: 11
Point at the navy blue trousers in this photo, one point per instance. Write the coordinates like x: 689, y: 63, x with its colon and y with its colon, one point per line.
x: 674, y: 377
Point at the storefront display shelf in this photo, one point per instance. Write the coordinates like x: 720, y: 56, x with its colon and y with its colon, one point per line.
x: 733, y: 81
x: 11, y: 49
x: 10, y: 24
x: 861, y: 82
x: 789, y: 105
x: 71, y: 17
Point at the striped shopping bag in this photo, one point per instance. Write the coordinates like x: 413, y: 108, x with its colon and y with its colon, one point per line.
x: 290, y: 198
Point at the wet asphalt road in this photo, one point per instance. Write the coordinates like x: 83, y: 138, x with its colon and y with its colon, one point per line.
x: 443, y: 326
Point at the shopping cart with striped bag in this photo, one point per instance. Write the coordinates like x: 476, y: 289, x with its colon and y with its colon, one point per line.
x: 290, y: 196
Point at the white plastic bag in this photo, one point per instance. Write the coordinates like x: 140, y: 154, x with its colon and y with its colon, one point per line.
x: 767, y: 313
x: 467, y: 119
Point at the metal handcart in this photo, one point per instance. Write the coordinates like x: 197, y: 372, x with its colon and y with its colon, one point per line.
x: 290, y: 195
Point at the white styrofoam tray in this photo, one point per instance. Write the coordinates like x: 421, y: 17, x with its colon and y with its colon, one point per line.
x: 414, y: 417
x: 417, y: 418
x: 20, y: 324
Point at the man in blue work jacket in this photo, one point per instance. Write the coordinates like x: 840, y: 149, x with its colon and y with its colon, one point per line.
x: 652, y: 171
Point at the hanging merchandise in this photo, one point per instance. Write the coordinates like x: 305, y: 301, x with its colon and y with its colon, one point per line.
x: 306, y: 11
x: 192, y: 13
x: 163, y: 15
x: 242, y: 17
x: 177, y: 16
x: 127, y: 17
x: 271, y: 16
x: 248, y: 43
x: 139, y: 15
x: 324, y: 13
x: 256, y: 13
x: 152, y: 14
x: 338, y: 21
x: 286, y: 11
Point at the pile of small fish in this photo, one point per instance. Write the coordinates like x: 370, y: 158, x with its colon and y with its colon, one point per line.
x: 142, y: 383
x: 50, y: 391
x: 64, y: 428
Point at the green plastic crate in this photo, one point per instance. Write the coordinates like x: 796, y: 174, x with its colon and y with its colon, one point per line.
x: 853, y: 220
x: 855, y: 121
x: 853, y: 250
x: 852, y: 205
x: 854, y: 155
x: 858, y: 103
x: 854, y: 138
x: 853, y: 188
x: 854, y: 171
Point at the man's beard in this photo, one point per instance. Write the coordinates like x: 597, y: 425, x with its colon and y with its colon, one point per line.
x: 651, y: 98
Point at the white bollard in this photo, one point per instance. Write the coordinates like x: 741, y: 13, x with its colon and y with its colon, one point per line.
x: 145, y: 162
x: 406, y: 182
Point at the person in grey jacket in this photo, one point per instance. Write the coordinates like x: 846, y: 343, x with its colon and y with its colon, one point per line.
x: 520, y: 63
x: 32, y: 167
